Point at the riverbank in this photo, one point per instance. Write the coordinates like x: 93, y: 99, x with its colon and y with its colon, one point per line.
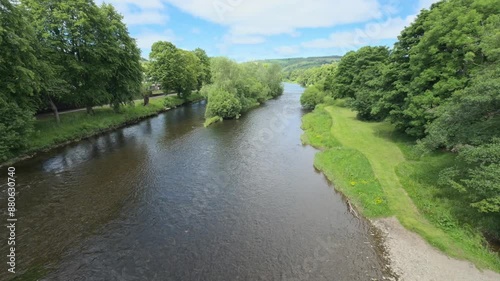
x: 78, y: 125
x: 378, y: 171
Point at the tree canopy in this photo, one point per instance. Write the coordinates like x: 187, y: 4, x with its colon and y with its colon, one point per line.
x: 439, y: 84
x: 238, y: 87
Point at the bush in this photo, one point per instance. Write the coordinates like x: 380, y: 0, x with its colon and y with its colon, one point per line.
x: 222, y: 104
x: 16, y: 125
x: 312, y: 97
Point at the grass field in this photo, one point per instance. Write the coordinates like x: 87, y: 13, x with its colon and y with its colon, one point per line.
x: 376, y: 168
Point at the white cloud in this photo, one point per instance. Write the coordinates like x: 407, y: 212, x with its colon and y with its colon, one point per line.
x: 147, y: 37
x: 140, y: 12
x: 195, y: 30
x: 264, y: 17
x: 287, y: 50
x: 371, y: 33
x: 243, y: 39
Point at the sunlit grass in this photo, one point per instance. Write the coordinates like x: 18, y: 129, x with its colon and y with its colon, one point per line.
x: 378, y: 169
x: 76, y: 125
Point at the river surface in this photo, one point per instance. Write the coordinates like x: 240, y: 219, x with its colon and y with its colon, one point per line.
x: 168, y: 199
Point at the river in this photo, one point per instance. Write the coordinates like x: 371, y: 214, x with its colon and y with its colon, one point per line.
x: 168, y: 199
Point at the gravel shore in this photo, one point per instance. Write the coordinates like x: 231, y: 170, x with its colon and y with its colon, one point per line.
x: 411, y: 258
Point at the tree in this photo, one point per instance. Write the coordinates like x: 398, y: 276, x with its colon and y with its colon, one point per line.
x: 397, y: 75
x: 189, y: 73
x: 18, y: 83
x: 478, y: 177
x: 343, y: 79
x: 176, y: 70
x: 358, y: 77
x: 244, y: 85
x: 74, y: 35
x: 123, y: 59
x: 205, y: 74
x: 444, y: 59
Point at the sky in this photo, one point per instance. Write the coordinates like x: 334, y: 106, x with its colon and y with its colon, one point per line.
x: 247, y: 30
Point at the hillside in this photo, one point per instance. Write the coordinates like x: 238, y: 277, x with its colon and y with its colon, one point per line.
x: 291, y: 64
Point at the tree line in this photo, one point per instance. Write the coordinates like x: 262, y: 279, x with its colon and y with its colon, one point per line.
x: 61, y: 51
x: 440, y: 84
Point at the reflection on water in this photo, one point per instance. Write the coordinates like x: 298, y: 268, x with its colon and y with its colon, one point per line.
x: 170, y: 200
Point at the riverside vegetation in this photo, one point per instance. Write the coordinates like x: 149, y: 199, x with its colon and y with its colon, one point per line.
x: 421, y: 138
x: 75, y: 54
x: 236, y: 88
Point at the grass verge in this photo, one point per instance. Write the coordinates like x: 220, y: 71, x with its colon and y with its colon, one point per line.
x: 79, y: 125
x: 373, y: 166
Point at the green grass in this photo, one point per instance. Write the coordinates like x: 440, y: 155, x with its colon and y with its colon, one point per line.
x: 349, y: 169
x: 78, y: 125
x: 212, y: 120
x: 175, y: 101
x: 377, y: 168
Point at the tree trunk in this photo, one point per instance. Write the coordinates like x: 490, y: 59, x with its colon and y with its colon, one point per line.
x: 90, y: 110
x: 54, y: 109
x: 146, y: 100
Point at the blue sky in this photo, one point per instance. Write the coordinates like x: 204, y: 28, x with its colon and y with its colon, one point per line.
x: 257, y: 29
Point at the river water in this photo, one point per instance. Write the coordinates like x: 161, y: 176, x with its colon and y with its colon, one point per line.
x: 168, y: 199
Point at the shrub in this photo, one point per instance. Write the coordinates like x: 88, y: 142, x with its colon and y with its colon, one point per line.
x: 222, y: 104
x: 312, y: 97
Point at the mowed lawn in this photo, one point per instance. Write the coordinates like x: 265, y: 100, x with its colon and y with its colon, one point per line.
x: 368, y: 161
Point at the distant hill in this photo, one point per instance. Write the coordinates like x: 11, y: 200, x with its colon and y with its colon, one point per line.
x: 292, y: 64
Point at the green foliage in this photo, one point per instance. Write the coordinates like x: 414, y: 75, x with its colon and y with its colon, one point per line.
x: 78, y: 125
x: 18, y: 78
x: 440, y: 83
x: 16, y: 124
x: 358, y: 77
x: 222, y: 104
x: 178, y: 70
x: 124, y: 57
x: 311, y: 97
x: 212, y: 120
x: 348, y: 168
x: 293, y: 67
x: 314, y: 76
x: 471, y: 116
x: 205, y: 73
x: 237, y: 87
x: 365, y: 160
x: 175, y: 101
x: 478, y: 175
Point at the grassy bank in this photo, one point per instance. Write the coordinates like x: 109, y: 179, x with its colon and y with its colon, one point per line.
x: 75, y: 126
x: 377, y: 169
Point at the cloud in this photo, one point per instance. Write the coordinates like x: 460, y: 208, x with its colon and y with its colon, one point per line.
x: 371, y: 33
x: 264, y: 17
x: 287, y: 50
x: 195, y: 30
x: 243, y: 39
x: 147, y: 37
x: 140, y: 12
